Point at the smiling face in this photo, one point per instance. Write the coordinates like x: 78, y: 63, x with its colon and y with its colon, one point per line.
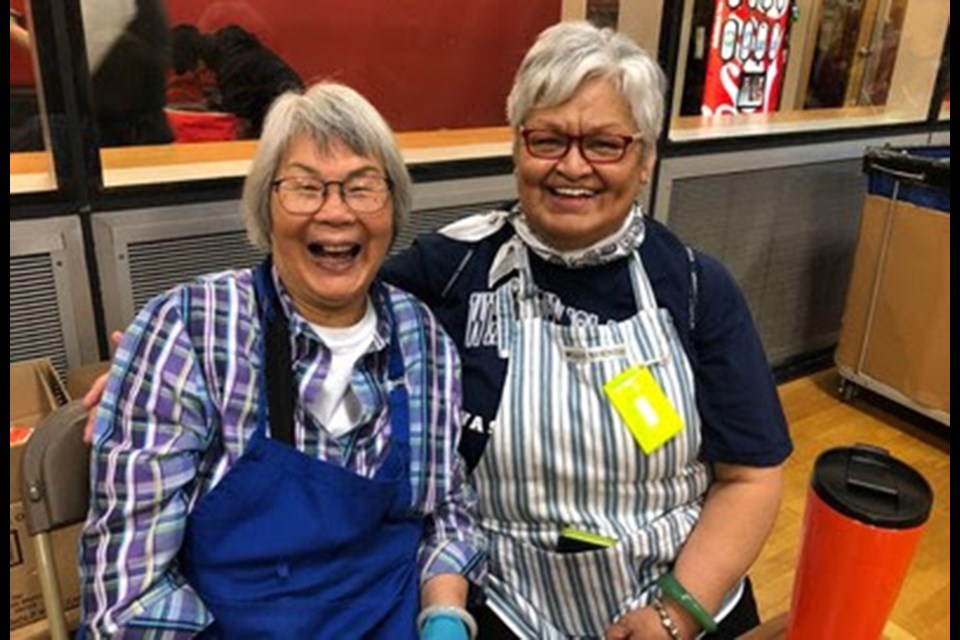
x: 569, y: 202
x: 327, y: 260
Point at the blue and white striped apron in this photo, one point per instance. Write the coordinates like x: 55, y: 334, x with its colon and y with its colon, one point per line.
x: 559, y: 456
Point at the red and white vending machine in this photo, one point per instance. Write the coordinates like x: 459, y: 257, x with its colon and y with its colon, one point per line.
x: 747, y: 56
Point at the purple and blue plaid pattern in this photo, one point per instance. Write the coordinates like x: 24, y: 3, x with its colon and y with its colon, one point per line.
x: 182, y: 401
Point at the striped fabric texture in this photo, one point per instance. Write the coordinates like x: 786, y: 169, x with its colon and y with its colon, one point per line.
x: 559, y: 456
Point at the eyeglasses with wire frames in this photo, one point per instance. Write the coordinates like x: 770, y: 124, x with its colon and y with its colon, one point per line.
x: 362, y: 194
x: 596, y: 148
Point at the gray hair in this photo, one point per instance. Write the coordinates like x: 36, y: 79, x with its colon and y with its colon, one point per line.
x: 569, y: 53
x: 327, y: 112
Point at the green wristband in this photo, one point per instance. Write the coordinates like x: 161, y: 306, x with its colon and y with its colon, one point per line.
x: 672, y: 588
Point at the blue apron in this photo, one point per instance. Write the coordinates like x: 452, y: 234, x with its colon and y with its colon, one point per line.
x: 287, y: 546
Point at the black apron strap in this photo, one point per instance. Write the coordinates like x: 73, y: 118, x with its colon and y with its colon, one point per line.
x: 281, y: 390
x: 278, y: 362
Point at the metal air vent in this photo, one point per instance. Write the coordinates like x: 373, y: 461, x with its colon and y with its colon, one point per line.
x: 35, y: 330
x: 158, y: 265
x: 51, y: 314
x: 787, y: 235
x: 428, y: 220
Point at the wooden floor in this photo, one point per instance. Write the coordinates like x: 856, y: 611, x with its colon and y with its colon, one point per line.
x: 819, y: 421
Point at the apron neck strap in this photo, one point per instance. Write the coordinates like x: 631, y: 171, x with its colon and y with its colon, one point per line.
x: 279, y: 392
x: 642, y: 289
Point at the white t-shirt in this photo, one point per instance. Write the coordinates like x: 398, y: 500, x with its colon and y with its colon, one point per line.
x: 337, y: 408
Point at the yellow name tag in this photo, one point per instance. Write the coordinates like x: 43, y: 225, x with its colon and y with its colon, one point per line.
x: 644, y: 408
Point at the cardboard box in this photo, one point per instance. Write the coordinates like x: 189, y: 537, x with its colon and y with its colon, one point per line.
x: 80, y: 379
x: 896, y: 323
x: 26, y: 598
x: 40, y: 630
x: 35, y: 391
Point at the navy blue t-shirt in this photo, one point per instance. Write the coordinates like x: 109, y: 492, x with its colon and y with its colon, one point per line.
x: 742, y: 419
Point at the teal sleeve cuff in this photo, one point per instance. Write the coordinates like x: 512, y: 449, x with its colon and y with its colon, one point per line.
x: 443, y: 626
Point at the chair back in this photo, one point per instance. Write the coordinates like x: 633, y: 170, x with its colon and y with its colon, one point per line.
x: 55, y: 482
x: 56, y: 471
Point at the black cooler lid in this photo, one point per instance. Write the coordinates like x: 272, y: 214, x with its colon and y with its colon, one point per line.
x: 867, y: 484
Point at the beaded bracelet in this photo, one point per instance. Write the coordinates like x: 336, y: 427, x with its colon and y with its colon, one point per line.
x: 459, y: 612
x: 666, y: 620
x: 672, y: 588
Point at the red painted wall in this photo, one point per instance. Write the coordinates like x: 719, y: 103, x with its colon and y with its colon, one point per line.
x: 426, y: 64
x: 21, y: 68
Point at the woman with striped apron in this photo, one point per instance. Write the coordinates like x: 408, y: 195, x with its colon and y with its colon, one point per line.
x: 570, y: 374
x: 561, y: 457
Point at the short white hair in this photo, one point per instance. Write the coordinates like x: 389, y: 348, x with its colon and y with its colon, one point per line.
x: 568, y: 54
